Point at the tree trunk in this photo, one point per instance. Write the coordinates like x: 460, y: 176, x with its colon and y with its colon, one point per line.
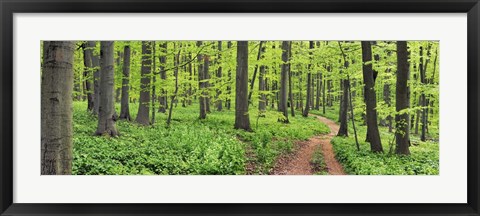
x: 309, y: 85
x: 242, y: 120
x: 206, y: 75
x: 143, y: 116
x: 284, y: 82
x: 229, y: 83
x: 252, y: 83
x: 125, y: 108
x: 290, y: 89
x: 219, y: 76
x: 262, y: 87
x: 106, y: 111
x: 56, y: 108
x: 343, y: 131
x: 96, y: 78
x: 386, y: 98
x: 163, y: 75
x: 402, y: 134
x: 319, y: 91
x: 324, y: 102
x: 202, y: 84
x: 423, y: 79
x: 88, y: 74
x: 176, y: 63
x: 370, y: 98
x: 153, y: 84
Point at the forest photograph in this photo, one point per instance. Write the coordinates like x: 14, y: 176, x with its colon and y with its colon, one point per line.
x: 240, y: 107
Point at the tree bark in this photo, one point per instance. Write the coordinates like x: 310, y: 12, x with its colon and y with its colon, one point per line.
x: 96, y: 77
x: 290, y: 83
x: 282, y: 107
x: 202, y: 84
x: 124, y: 106
x: 163, y: 75
x: 176, y: 62
x: 106, y: 111
x: 88, y: 74
x: 252, y: 83
x: 229, y: 83
x: 219, y: 76
x: 402, y: 134
x: 143, y: 116
x: 373, y: 134
x: 343, y: 131
x: 242, y: 120
x: 309, y: 85
x: 262, y: 103
x: 318, y: 91
x: 56, y: 108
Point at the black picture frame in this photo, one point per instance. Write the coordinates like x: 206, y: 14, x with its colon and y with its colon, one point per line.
x: 9, y: 7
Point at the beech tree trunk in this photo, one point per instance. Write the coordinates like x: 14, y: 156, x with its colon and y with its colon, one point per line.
x: 125, y: 108
x: 143, y: 116
x: 242, y: 120
x: 402, y: 134
x: 252, y: 83
x: 219, y: 76
x: 373, y: 134
x: 319, y: 91
x: 262, y: 102
x: 290, y: 83
x: 96, y: 77
x: 88, y: 74
x: 282, y: 107
x: 56, y: 108
x: 106, y: 110
x: 202, y: 84
x: 229, y: 83
x: 343, y: 131
x: 309, y: 86
x: 163, y: 75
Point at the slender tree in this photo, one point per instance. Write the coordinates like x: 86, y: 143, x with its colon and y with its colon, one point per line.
x: 283, y: 107
x: 219, y: 77
x: 106, y: 111
x: 402, y: 133
x: 96, y: 77
x: 175, y: 73
x: 202, y: 83
x: 373, y: 135
x: 229, y: 82
x: 163, y: 75
x: 146, y: 70
x: 252, y: 83
x: 309, y: 83
x: 88, y: 74
x: 56, y: 108
x: 125, y: 109
x: 290, y: 83
x: 242, y: 120
x: 262, y: 86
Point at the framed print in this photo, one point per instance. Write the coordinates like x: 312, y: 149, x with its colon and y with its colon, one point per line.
x: 246, y: 108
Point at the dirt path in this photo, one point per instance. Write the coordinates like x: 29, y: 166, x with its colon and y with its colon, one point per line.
x: 298, y: 162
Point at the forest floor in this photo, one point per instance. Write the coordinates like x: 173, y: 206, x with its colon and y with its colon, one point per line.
x: 299, y: 161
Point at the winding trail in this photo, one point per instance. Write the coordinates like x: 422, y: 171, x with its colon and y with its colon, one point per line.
x: 298, y: 162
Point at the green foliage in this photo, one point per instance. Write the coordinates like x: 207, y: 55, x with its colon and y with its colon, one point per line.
x: 189, y: 146
x: 424, y: 158
x: 318, y: 162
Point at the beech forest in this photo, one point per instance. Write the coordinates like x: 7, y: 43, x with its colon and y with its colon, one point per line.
x: 240, y: 107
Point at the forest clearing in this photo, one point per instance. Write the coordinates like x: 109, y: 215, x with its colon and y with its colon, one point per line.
x: 240, y: 107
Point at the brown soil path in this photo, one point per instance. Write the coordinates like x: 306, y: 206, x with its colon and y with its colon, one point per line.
x: 298, y: 162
